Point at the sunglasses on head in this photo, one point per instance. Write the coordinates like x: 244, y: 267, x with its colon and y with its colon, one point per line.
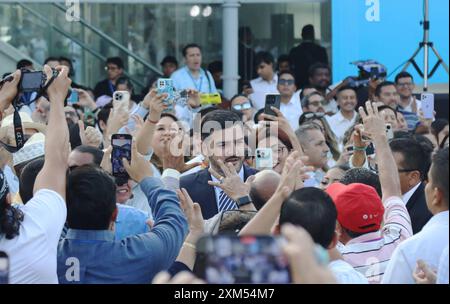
x: 243, y: 106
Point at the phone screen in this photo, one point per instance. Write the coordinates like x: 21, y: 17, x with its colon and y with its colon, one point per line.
x: 121, y: 144
x: 272, y: 100
x: 73, y: 98
x: 31, y: 81
x: 4, y: 268
x: 248, y: 260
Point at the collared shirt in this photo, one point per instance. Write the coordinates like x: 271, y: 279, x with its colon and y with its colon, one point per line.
x: 261, y: 88
x: 345, y: 273
x: 427, y: 245
x: 407, y: 196
x: 217, y: 190
x: 411, y: 118
x: 371, y: 252
x: 292, y: 111
x: 315, y: 178
x: 94, y: 256
x: 183, y: 79
x: 339, y: 124
x: 130, y: 221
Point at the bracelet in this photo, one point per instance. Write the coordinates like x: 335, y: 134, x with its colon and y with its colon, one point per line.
x: 190, y: 245
x: 359, y: 148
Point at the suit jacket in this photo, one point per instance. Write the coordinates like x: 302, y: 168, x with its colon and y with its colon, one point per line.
x: 302, y: 57
x: 418, y: 210
x: 197, y: 186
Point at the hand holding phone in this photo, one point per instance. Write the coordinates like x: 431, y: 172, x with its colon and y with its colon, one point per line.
x: 272, y: 100
x: 165, y: 86
x: 73, y: 98
x: 121, y: 148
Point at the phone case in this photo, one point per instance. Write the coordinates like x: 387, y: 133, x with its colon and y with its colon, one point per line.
x: 121, y: 100
x: 428, y: 105
x: 272, y: 100
x: 165, y: 85
x: 264, y: 158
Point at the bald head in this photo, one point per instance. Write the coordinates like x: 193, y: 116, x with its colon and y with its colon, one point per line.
x: 263, y: 187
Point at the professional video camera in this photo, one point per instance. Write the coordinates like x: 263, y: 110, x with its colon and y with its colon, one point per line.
x: 368, y: 69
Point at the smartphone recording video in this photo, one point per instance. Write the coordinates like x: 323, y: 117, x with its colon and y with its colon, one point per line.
x: 232, y: 259
x: 121, y: 144
x: 272, y: 100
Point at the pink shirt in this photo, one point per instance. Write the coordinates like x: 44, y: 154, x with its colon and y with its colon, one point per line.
x: 371, y: 252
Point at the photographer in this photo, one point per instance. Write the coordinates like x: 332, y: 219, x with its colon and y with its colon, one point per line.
x: 30, y: 234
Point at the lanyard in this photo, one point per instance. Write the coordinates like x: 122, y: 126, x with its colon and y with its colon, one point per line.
x: 193, y: 80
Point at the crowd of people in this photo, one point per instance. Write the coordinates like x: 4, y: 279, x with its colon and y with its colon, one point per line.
x: 358, y: 188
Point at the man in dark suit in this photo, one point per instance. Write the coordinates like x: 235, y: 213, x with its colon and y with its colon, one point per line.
x: 222, y: 137
x: 413, y: 161
x: 114, y: 68
x: 303, y: 56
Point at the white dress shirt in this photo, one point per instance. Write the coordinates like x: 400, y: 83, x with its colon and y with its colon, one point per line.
x: 292, y: 111
x: 345, y: 273
x: 339, y: 124
x: 407, y: 196
x: 261, y: 88
x: 442, y: 274
x: 427, y: 245
x: 217, y: 189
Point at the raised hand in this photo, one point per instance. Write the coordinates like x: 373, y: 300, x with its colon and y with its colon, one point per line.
x: 9, y: 90
x: 192, y: 211
x: 173, y: 157
x: 231, y: 183
x: 58, y: 89
x: 374, y: 124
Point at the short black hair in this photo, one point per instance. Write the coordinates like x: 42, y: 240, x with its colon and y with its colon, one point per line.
x: 103, y: 114
x: 126, y: 81
x: 96, y: 153
x: 438, y: 125
x: 23, y: 63
x: 190, y: 46
x: 91, y: 198
x: 48, y: 59
x: 306, y: 86
x: 243, y: 31
x: 115, y: 60
x: 283, y: 58
x: 385, y: 107
x: 316, y: 66
x: 215, y: 66
x: 169, y: 59
x: 222, y: 117
x: 382, y: 85
x: 28, y: 177
x: 314, y: 210
x: 264, y: 57
x: 414, y: 155
x: 403, y: 75
x: 439, y: 171
x: 308, y: 32
x: 284, y: 73
x: 362, y: 176
x: 345, y: 88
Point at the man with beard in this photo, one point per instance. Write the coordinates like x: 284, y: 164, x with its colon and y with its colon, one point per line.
x: 223, y: 143
x: 320, y: 79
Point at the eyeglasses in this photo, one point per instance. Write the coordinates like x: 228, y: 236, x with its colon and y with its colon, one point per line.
x: 111, y: 68
x: 243, y: 106
x: 286, y: 82
x: 314, y: 115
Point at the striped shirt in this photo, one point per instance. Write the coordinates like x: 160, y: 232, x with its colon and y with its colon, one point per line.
x: 371, y: 252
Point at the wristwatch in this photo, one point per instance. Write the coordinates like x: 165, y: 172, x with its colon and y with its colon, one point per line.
x: 244, y: 201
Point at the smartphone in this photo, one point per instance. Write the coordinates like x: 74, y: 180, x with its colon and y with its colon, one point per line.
x: 264, y: 158
x: 389, y: 132
x: 272, y: 100
x: 208, y: 99
x: 121, y: 144
x: 73, y: 98
x: 165, y: 85
x: 230, y: 259
x: 32, y: 81
x: 121, y: 100
x: 427, y: 105
x: 4, y: 268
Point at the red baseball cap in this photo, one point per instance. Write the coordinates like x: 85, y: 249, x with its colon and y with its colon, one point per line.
x: 359, y: 207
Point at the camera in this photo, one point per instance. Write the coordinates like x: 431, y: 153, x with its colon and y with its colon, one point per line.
x: 367, y: 70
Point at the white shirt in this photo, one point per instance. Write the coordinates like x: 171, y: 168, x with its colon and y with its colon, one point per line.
x: 217, y: 189
x: 345, y: 273
x: 339, y: 124
x: 261, y: 88
x: 32, y: 254
x: 407, y: 196
x: 292, y: 111
x: 315, y: 178
x: 409, y: 107
x: 442, y: 274
x: 426, y: 245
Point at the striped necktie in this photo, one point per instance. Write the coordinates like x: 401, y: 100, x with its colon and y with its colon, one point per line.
x: 225, y: 203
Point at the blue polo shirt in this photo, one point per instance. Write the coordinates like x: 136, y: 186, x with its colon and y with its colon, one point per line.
x: 182, y: 80
x: 95, y: 256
